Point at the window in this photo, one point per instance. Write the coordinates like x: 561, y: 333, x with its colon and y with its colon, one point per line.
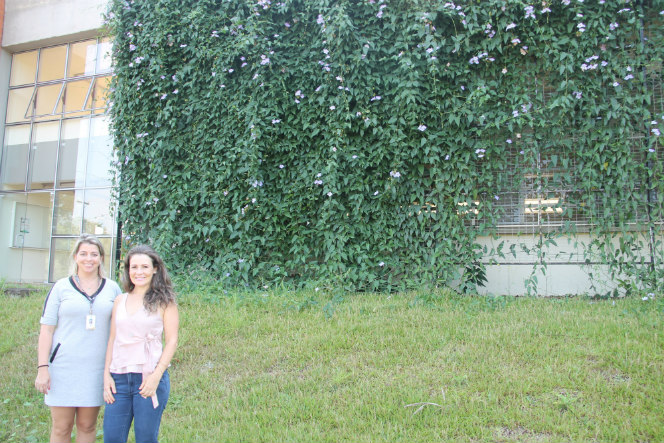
x: 55, y: 168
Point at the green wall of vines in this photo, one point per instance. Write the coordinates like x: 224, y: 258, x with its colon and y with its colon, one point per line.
x: 346, y: 141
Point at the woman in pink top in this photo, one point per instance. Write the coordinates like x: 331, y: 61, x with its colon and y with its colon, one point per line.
x: 136, y: 381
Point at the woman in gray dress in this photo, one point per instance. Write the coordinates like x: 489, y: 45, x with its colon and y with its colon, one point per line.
x: 72, y: 343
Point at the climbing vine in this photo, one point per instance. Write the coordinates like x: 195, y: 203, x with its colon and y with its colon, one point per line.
x: 373, y: 143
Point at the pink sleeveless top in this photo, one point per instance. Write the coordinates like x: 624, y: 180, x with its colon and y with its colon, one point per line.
x: 137, y: 346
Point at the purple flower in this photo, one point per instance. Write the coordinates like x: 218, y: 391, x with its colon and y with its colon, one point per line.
x: 510, y: 26
x: 376, y: 97
x: 395, y: 174
x: 655, y: 131
x: 132, y: 47
x: 422, y: 128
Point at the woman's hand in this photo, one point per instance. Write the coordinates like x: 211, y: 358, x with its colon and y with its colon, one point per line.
x: 150, y: 384
x: 109, y: 388
x: 43, y: 380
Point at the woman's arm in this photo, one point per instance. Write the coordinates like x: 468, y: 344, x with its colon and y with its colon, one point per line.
x: 43, y: 380
x: 171, y: 326
x: 109, y: 383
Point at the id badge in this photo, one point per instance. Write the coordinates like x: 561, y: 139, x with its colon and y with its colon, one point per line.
x: 90, y: 322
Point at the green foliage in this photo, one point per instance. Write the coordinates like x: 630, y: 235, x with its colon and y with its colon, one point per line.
x: 369, y: 144
x: 503, y: 369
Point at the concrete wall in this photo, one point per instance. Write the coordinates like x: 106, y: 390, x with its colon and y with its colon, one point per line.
x: 34, y: 23
x: 566, y: 272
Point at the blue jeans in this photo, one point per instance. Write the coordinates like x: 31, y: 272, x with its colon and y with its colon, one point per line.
x: 129, y: 405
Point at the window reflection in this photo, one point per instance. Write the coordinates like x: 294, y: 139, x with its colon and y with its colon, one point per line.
x: 52, y: 63
x: 68, y: 212
x: 44, y: 154
x: 98, y: 212
x: 47, y: 100
x: 51, y: 160
x: 15, y: 158
x: 17, y: 104
x: 104, y: 56
x: 24, y: 68
x: 82, y: 58
x: 97, y: 100
x: 75, y: 96
x: 61, y: 262
x: 73, y: 153
x: 100, y: 153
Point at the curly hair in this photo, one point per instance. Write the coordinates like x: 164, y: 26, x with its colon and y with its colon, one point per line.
x: 160, y: 293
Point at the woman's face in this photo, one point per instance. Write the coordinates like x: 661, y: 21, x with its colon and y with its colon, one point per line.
x: 88, y: 258
x: 141, y: 270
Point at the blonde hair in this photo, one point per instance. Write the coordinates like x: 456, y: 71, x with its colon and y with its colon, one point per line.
x: 91, y: 240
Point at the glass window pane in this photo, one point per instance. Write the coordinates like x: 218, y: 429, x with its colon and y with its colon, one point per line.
x: 44, y: 154
x: 17, y: 104
x: 15, y: 158
x: 97, y: 99
x: 52, y: 63
x: 61, y: 262
x: 82, y: 58
x: 11, y: 255
x: 98, y: 212
x: 24, y: 68
x: 100, y: 154
x: 47, y: 98
x: 68, y: 212
x: 73, y: 153
x: 104, y: 56
x: 25, y: 225
x: 36, y: 226
x: 75, y: 95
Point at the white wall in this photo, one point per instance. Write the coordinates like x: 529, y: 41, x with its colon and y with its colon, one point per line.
x: 50, y: 22
x: 566, y: 272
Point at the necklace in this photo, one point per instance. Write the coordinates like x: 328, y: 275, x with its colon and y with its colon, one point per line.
x: 88, y: 287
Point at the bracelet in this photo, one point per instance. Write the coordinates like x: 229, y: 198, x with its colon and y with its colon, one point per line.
x: 42, y: 366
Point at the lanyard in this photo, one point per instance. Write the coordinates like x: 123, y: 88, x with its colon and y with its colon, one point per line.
x: 90, y: 298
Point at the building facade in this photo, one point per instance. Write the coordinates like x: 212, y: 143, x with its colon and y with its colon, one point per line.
x: 55, y: 163
x: 55, y: 174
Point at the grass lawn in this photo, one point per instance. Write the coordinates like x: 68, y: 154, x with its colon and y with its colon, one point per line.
x: 417, y: 367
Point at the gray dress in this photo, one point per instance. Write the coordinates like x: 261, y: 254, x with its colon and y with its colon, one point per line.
x: 76, y: 359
